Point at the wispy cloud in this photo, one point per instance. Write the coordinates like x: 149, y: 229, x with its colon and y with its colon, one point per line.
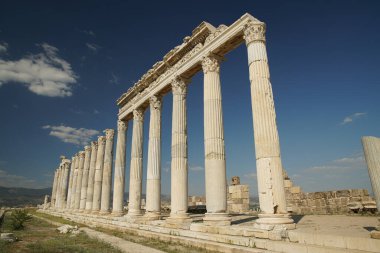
x: 340, y: 165
x: 351, y: 118
x: 78, y: 136
x: 93, y: 47
x: 88, y: 32
x: 96, y: 111
x: 252, y: 175
x: 10, y: 180
x: 196, y: 168
x: 3, y: 47
x: 45, y: 74
x: 114, y: 79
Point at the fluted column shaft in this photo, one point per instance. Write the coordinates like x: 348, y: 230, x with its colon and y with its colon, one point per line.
x: 107, y: 172
x: 86, y: 171
x: 69, y: 191
x: 58, y: 191
x: 91, y: 176
x: 78, y: 187
x: 215, y: 160
x: 371, y: 146
x: 153, y: 185
x: 119, y: 177
x: 54, y: 189
x: 267, y: 146
x: 64, y: 184
x: 98, y: 174
x: 75, y: 177
x: 179, y: 165
x: 135, y: 179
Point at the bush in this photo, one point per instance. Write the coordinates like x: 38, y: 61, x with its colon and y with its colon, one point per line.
x: 18, y: 218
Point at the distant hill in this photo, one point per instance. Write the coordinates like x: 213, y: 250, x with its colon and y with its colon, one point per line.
x: 19, y: 197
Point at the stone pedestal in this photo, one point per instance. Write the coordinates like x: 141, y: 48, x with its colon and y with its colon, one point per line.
x: 86, y: 171
x: 98, y: 174
x: 179, y: 165
x: 267, y: 146
x: 91, y: 177
x: 371, y: 146
x: 107, y: 173
x: 119, y: 178
x: 215, y: 160
x: 135, y: 179
x: 153, y: 185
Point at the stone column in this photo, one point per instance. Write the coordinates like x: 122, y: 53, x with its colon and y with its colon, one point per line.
x: 119, y: 178
x: 267, y: 146
x: 86, y: 171
x: 64, y: 184
x: 91, y: 177
x: 46, y: 201
x: 135, y: 178
x: 75, y: 177
x: 153, y: 184
x: 215, y: 160
x: 98, y: 174
x: 371, y: 146
x: 58, y: 190
x: 179, y: 166
x: 78, y: 187
x: 107, y: 172
x: 69, y: 191
x: 54, y: 189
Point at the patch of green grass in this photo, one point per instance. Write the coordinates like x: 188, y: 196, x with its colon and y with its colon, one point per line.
x: 54, y: 218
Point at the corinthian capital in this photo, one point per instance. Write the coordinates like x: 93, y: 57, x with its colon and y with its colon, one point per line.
x: 138, y: 114
x: 109, y: 134
x: 179, y: 86
x: 81, y: 154
x: 101, y: 140
x: 210, y: 63
x: 155, y: 102
x: 87, y: 148
x: 254, y: 32
x: 94, y: 145
x: 121, y: 126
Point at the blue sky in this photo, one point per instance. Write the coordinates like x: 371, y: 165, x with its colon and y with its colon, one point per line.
x: 63, y: 65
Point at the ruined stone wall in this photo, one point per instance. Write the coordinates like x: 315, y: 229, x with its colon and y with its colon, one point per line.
x: 238, y: 198
x: 196, y: 201
x: 328, y: 202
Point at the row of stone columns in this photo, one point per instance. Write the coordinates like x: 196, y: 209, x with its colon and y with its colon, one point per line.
x: 89, y: 181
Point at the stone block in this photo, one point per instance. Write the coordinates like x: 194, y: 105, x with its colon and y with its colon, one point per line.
x: 342, y: 193
x: 357, y: 192
x: 288, y: 183
x: 295, y: 189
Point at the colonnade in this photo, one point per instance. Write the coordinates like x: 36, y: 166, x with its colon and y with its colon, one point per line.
x: 88, y: 185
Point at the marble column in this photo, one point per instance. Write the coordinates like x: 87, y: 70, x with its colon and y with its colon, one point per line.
x: 69, y: 191
x: 98, y: 174
x: 371, y: 146
x: 119, y: 177
x: 179, y: 164
x: 107, y: 172
x: 135, y: 179
x: 86, y: 171
x: 58, y: 191
x: 215, y: 159
x: 75, y: 177
x: 267, y: 146
x: 91, y: 177
x: 54, y: 189
x: 46, y: 201
x: 153, y: 184
x: 64, y: 183
x: 78, y: 187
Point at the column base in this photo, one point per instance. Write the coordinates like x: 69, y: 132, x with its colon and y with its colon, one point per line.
x: 149, y: 216
x: 95, y: 212
x: 104, y: 212
x: 117, y: 213
x: 217, y: 219
x: 271, y: 221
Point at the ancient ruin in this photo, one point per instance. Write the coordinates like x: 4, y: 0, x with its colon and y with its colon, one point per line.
x: 82, y: 185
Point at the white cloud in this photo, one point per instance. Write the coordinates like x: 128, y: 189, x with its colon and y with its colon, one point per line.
x: 78, y: 136
x: 3, y: 47
x: 114, y: 79
x: 351, y: 118
x: 93, y: 47
x: 341, y: 165
x: 252, y: 175
x: 45, y: 74
x: 10, y: 180
x: 196, y: 168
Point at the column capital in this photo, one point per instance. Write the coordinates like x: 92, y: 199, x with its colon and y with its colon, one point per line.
x: 138, y: 114
x: 94, y: 145
x: 211, y: 63
x: 81, y: 154
x: 179, y: 86
x: 122, y: 125
x: 254, y: 31
x: 109, y: 134
x: 87, y: 148
x: 101, y: 140
x: 155, y: 102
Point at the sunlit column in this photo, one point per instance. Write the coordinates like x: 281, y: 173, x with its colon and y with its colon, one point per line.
x: 98, y: 174
x: 54, y: 189
x: 91, y: 176
x: 58, y: 190
x: 86, y: 171
x: 119, y: 178
x: 75, y: 177
x: 107, y: 172
x: 69, y: 191
x: 153, y: 184
x: 215, y: 159
x: 267, y: 145
x: 78, y: 187
x: 65, y: 180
